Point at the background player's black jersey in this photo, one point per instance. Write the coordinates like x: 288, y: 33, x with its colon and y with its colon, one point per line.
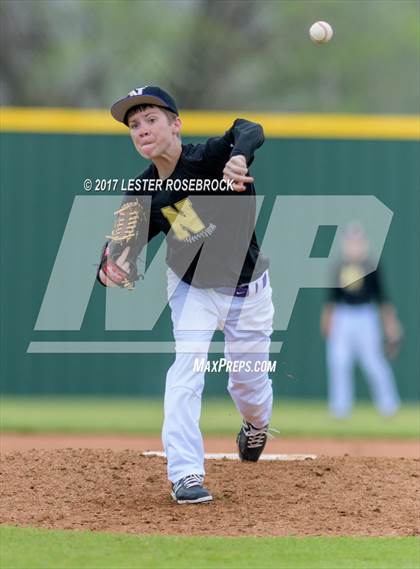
x: 214, y: 226
x: 363, y: 290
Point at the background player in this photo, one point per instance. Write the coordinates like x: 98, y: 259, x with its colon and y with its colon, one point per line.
x: 352, y: 326
x: 230, y: 287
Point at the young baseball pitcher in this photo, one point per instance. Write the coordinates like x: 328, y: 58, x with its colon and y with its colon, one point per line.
x: 203, y: 198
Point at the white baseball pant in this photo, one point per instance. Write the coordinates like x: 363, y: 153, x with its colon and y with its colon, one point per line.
x: 356, y: 335
x: 196, y: 314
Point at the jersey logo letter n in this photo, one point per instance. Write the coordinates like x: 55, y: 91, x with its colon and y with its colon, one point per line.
x: 183, y: 219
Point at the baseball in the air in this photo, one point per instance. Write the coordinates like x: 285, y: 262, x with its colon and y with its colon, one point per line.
x: 321, y: 32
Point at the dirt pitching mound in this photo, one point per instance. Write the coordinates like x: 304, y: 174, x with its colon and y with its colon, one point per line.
x: 126, y: 492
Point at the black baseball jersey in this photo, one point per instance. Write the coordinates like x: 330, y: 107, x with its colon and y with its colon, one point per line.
x: 363, y: 290
x: 210, y: 233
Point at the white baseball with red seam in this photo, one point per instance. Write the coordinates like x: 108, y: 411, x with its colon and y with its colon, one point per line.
x: 321, y: 32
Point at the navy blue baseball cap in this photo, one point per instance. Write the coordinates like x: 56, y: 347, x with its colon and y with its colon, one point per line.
x: 147, y: 95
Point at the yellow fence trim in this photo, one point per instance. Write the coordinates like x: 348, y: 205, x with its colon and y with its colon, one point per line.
x: 209, y: 123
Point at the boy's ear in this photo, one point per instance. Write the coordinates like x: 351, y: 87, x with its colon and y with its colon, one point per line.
x: 176, y: 126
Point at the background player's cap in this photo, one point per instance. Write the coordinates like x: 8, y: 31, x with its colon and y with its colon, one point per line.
x: 147, y: 95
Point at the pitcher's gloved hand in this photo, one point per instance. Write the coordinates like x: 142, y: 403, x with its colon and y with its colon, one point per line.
x: 117, y: 271
x: 118, y: 266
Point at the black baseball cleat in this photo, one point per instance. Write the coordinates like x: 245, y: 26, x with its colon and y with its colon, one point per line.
x: 190, y: 490
x: 251, y: 441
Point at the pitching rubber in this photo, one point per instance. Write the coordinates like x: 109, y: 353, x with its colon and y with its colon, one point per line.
x: 234, y: 456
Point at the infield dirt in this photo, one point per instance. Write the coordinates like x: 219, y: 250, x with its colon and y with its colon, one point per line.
x: 395, y: 448
x: 123, y: 491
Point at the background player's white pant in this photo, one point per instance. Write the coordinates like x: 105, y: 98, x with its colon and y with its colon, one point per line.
x: 356, y: 334
x: 205, y: 310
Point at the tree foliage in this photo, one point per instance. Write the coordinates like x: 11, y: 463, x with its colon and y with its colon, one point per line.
x: 213, y: 54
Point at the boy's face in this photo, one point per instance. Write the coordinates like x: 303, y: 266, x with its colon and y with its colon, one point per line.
x: 355, y: 248
x: 152, y: 132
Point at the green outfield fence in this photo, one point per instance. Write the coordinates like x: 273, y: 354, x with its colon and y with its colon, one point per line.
x: 47, y: 153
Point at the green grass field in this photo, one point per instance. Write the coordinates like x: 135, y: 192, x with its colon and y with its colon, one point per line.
x: 41, y: 549
x: 219, y: 417
x: 34, y: 548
